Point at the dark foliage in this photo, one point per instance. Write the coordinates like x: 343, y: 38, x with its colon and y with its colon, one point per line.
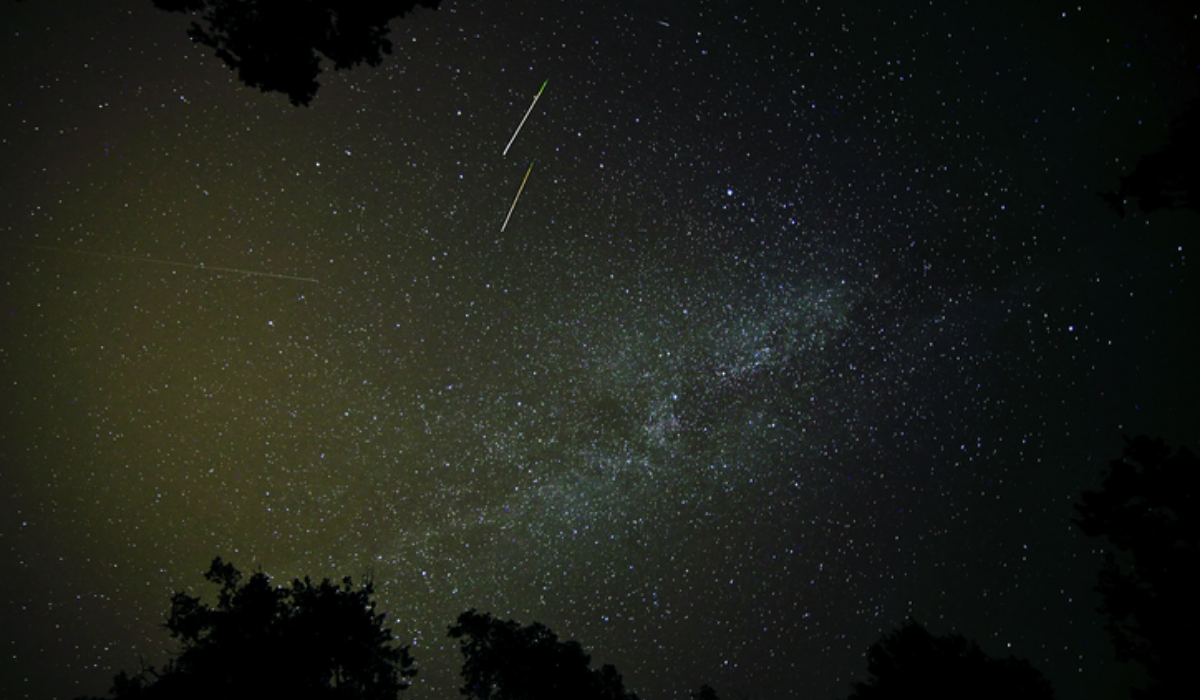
x: 274, y: 44
x: 318, y: 642
x: 1147, y: 509
x: 1169, y: 178
x: 504, y: 661
x: 912, y: 663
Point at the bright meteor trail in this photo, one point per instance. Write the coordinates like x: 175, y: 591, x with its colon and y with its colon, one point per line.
x: 522, y: 188
x: 527, y: 113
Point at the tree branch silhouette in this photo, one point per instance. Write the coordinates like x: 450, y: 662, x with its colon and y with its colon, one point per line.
x: 277, y: 45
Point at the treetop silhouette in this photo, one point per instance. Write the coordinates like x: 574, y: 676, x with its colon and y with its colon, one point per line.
x: 319, y: 641
x: 1147, y: 509
x: 909, y: 662
x: 503, y: 660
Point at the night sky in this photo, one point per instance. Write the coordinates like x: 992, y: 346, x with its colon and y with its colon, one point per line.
x: 808, y: 319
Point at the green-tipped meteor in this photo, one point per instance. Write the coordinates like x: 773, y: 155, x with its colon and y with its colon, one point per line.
x: 172, y: 263
x: 527, y: 113
x: 518, y: 197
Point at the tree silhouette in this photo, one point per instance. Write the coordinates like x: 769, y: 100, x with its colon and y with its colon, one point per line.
x: 911, y: 663
x: 1147, y: 509
x: 504, y: 661
x: 1168, y: 178
x: 274, y: 44
x: 318, y: 642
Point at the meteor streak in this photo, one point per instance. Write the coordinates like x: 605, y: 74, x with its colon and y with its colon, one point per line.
x: 172, y: 263
x: 527, y: 113
x: 518, y: 197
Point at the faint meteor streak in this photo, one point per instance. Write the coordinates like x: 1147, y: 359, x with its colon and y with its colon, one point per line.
x: 527, y: 113
x: 516, y: 199
x: 172, y: 263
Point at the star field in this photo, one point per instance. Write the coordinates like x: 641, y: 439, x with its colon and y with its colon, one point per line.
x: 807, y: 320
